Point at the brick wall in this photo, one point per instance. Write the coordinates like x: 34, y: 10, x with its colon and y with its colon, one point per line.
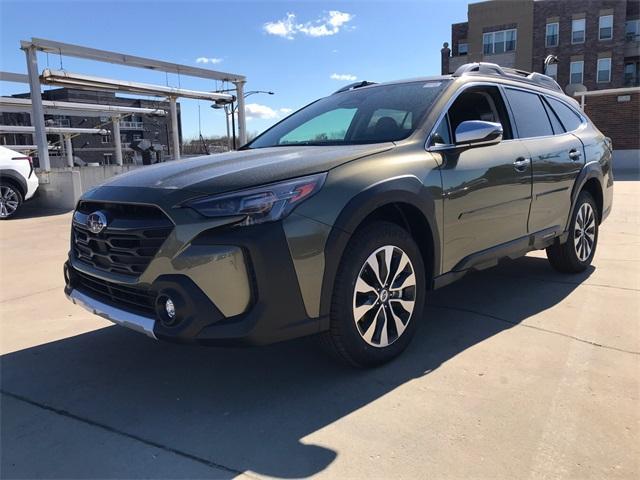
x: 459, y: 31
x: 618, y: 120
x: 562, y: 11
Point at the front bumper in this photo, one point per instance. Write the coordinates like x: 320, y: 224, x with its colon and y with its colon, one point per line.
x: 114, y: 314
x: 201, y: 280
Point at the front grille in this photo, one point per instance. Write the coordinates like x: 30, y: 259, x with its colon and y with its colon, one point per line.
x: 127, y: 297
x: 131, y: 239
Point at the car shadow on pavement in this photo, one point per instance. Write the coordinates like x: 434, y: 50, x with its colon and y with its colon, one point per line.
x: 250, y: 408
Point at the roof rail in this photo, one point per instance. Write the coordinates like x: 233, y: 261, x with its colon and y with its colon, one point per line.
x: 353, y: 86
x: 485, y: 68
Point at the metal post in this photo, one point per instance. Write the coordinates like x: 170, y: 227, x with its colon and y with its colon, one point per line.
x: 175, y: 140
x: 69, y: 149
x: 115, y: 121
x: 37, y: 112
x: 582, y: 102
x: 226, y: 120
x: 242, y: 121
x: 233, y: 127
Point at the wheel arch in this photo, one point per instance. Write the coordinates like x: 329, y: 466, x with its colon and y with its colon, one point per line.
x: 10, y: 176
x: 404, y: 201
x: 589, y: 179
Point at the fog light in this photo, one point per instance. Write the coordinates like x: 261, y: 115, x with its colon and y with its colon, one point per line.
x: 170, y: 308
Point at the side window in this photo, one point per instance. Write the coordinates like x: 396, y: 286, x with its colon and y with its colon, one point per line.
x: 480, y: 103
x: 441, y: 135
x: 567, y: 116
x: 555, y: 123
x: 529, y: 114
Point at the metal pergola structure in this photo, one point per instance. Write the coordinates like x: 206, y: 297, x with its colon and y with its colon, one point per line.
x: 34, y: 45
x: 115, y: 112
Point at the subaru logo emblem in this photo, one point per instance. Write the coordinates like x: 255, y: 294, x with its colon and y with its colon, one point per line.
x: 96, y: 222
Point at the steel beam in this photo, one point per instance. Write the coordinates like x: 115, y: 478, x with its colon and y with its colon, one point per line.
x: 59, y: 48
x: 37, y: 112
x: 68, y: 146
x: 175, y: 134
x: 89, y: 82
x: 117, y: 140
x: 14, y: 77
x: 63, y: 130
x: 11, y: 104
x: 242, y: 120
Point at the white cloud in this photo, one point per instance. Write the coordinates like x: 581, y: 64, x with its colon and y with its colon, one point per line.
x: 258, y: 111
x: 282, y: 28
x: 326, y: 25
x: 255, y: 110
x: 211, y: 60
x: 343, y: 77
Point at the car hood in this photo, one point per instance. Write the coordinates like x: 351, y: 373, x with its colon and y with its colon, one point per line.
x: 243, y: 168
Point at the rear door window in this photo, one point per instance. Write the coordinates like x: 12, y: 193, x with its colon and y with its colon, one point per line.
x: 567, y: 116
x: 529, y: 114
x: 555, y: 122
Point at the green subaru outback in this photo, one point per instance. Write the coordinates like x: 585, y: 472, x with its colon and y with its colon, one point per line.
x: 337, y: 221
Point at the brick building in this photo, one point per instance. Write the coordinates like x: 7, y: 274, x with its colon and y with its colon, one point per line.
x: 97, y: 148
x: 596, y: 44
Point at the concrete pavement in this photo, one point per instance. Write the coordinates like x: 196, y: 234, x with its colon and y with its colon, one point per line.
x: 517, y: 372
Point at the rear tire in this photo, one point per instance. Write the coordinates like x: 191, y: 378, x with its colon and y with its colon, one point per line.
x: 576, y: 254
x: 378, y: 296
x: 10, y: 200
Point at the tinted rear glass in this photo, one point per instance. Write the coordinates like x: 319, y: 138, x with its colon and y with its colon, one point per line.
x: 529, y: 114
x: 376, y: 114
x: 568, y: 117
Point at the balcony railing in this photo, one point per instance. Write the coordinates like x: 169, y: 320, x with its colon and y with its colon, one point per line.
x: 124, y: 125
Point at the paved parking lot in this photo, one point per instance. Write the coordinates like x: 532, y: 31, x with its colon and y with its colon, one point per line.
x: 517, y: 372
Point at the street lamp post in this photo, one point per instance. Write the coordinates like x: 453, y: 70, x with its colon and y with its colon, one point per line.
x: 230, y: 110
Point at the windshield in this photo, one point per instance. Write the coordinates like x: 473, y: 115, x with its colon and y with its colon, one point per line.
x: 384, y: 113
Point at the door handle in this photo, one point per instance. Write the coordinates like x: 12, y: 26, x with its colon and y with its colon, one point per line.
x: 521, y: 164
x: 574, y: 154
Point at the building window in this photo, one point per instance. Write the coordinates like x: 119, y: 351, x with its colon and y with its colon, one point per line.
x: 510, y: 42
x: 576, y: 70
x: 137, y: 136
x: 499, y: 42
x: 106, y: 138
x: 604, y: 70
x: 577, y: 30
x: 463, y: 48
x: 632, y: 30
x: 551, y: 38
x: 605, y: 31
x: 552, y: 70
x: 107, y: 158
x: 631, y: 77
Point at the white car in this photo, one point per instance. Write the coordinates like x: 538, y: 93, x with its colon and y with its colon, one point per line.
x: 18, y: 181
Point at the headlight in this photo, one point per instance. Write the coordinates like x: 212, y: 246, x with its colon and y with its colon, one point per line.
x: 260, y: 204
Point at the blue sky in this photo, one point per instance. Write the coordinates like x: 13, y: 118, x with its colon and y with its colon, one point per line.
x: 291, y: 48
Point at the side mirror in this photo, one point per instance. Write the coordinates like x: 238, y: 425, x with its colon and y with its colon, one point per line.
x: 474, y: 133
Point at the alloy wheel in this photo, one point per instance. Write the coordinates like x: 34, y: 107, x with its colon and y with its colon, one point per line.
x: 584, y: 235
x: 9, y: 201
x: 384, y: 296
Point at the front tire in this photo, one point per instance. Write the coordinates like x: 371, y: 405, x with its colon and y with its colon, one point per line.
x: 576, y: 254
x: 10, y: 200
x: 378, y: 296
